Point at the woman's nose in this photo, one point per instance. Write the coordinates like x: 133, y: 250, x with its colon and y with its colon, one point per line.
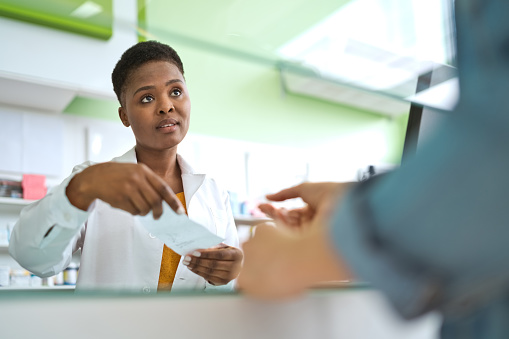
x: 166, y: 106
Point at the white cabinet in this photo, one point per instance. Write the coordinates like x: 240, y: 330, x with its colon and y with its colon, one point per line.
x: 72, y: 64
x: 34, y: 143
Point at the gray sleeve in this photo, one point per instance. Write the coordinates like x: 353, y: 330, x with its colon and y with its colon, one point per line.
x: 433, y: 234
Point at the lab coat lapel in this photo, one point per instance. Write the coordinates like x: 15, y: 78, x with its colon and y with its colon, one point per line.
x: 192, y: 181
x: 127, y: 157
x: 184, y: 278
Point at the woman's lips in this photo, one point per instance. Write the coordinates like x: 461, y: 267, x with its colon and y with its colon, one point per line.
x: 167, y: 125
x: 163, y: 126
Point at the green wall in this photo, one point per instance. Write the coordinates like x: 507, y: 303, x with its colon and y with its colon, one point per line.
x: 237, y: 97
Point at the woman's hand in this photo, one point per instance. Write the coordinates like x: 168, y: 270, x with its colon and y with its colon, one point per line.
x: 218, y: 265
x: 134, y: 188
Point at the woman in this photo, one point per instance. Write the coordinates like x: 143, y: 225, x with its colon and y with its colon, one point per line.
x: 93, y: 209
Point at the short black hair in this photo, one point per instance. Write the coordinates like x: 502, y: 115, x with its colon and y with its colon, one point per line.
x: 138, y: 55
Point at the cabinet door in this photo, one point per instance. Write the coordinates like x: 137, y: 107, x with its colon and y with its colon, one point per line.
x: 10, y: 141
x: 43, y: 138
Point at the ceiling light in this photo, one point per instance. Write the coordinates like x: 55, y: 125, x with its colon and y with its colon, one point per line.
x: 87, y: 9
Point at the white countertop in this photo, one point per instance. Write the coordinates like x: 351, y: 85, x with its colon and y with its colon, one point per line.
x: 341, y: 313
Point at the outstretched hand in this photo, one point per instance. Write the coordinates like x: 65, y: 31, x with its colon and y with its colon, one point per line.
x: 134, y: 188
x: 317, y: 196
x: 279, y: 263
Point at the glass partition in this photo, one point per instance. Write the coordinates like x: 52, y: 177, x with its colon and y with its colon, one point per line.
x: 378, y: 46
x: 328, y: 77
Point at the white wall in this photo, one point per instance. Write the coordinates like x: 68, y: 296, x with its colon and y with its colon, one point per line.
x: 75, y: 136
x: 68, y: 59
x: 84, y: 64
x: 249, y: 169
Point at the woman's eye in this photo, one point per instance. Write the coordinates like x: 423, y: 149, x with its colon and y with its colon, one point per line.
x: 148, y: 98
x: 176, y: 92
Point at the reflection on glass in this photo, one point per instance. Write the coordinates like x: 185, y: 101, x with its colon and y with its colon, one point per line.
x: 363, y: 53
x: 375, y: 45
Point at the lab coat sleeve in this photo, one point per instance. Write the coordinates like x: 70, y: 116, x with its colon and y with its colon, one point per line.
x: 231, y: 239
x: 47, y: 232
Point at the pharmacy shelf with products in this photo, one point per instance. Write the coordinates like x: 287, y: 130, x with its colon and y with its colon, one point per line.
x: 12, y: 275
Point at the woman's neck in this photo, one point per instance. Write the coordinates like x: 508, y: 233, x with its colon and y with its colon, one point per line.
x: 163, y: 163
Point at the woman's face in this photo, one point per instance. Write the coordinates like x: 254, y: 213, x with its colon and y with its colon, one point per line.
x: 156, y: 106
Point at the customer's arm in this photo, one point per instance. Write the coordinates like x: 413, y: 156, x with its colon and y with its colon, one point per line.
x: 434, y: 233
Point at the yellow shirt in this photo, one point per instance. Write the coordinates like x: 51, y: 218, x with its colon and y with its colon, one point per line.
x: 170, y: 260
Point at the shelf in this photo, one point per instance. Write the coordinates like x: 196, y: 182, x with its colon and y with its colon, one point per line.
x: 37, y: 288
x: 249, y: 220
x: 47, y: 96
x: 15, y: 201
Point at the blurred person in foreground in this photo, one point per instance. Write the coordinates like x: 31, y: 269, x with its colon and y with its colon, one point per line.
x: 432, y: 235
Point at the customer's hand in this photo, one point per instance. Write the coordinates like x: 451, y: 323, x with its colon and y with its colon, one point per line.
x: 134, y: 188
x: 317, y: 197
x: 218, y: 265
x: 279, y: 263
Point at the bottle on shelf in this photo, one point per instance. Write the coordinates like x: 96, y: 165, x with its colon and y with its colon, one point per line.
x: 71, y: 274
x: 5, y: 276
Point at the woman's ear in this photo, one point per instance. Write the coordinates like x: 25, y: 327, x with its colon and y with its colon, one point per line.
x: 123, y: 116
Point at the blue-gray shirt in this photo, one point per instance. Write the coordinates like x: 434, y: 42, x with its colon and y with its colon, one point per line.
x: 434, y: 235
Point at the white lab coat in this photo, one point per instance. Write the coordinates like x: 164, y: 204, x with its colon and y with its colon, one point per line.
x: 116, y: 250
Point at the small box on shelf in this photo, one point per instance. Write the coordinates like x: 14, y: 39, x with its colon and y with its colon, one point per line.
x: 10, y: 188
x: 20, y: 278
x: 34, y: 186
